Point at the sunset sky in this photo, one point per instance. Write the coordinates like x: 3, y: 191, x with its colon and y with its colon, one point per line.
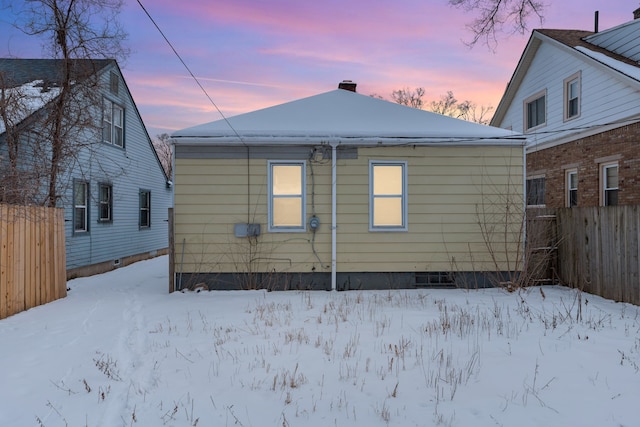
x: 250, y: 54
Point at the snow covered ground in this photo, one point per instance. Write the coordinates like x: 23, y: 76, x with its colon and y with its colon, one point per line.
x: 121, y: 351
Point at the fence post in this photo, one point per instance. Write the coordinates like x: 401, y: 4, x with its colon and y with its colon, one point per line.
x: 172, y: 253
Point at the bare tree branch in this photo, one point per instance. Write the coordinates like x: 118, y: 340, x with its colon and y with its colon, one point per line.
x: 499, y: 16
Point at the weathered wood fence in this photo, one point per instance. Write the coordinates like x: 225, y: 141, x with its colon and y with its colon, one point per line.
x: 598, y: 250
x: 32, y: 257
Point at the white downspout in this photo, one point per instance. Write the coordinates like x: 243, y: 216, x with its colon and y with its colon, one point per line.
x: 334, y: 226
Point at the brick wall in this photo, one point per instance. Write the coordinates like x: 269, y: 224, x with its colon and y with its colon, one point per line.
x: 621, y: 145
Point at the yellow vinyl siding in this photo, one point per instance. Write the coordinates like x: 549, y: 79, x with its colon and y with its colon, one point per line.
x: 451, y: 190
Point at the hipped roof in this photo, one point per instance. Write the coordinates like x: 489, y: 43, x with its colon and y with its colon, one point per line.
x: 345, y: 117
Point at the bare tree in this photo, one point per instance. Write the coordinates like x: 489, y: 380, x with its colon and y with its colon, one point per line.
x: 495, y: 16
x: 165, y: 153
x: 76, y: 33
x: 408, y: 97
x: 447, y: 105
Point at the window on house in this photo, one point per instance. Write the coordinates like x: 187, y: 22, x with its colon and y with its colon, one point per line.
x: 113, y: 123
x: 572, y: 187
x: 387, y: 196
x: 535, y: 191
x: 572, y: 97
x: 114, y: 83
x: 145, y: 209
x: 535, y: 110
x: 286, y: 181
x: 105, y: 202
x: 80, y: 203
x: 609, y: 194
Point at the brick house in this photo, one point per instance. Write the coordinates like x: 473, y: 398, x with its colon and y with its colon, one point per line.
x: 576, y: 95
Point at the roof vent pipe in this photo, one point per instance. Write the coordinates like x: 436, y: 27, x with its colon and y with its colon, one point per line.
x: 595, y: 24
x: 347, y: 85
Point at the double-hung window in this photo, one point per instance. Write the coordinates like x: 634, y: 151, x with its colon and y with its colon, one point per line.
x: 145, y: 209
x: 572, y: 97
x: 80, y: 206
x: 286, y: 182
x: 112, y: 123
x: 105, y: 202
x: 572, y: 188
x: 609, y: 193
x: 535, y: 110
x: 535, y: 191
x: 387, y: 195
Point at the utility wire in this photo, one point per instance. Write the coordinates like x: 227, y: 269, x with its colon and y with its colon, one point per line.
x: 188, y: 69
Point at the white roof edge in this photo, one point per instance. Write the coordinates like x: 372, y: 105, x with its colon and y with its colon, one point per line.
x: 517, y: 140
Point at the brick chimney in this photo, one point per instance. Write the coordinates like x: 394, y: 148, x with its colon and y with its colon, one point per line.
x: 636, y: 13
x: 347, y: 85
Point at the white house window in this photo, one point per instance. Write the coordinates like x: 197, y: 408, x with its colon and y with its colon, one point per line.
x: 105, y: 202
x: 572, y: 97
x: 535, y: 191
x: 112, y: 123
x: 572, y: 187
x: 145, y: 209
x: 286, y: 181
x: 609, y: 193
x: 535, y: 110
x: 80, y: 211
x: 387, y: 196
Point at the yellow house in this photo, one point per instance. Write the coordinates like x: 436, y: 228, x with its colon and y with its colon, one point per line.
x: 345, y: 191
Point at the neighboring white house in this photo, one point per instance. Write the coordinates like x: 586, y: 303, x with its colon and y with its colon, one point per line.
x: 345, y: 191
x: 114, y: 191
x: 576, y: 95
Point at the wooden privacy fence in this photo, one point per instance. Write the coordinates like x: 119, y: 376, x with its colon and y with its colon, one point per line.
x: 598, y: 250
x: 32, y: 257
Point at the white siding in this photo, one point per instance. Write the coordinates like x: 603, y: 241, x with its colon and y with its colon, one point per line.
x: 604, y: 98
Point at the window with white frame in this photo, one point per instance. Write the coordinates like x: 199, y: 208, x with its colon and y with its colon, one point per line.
x: 387, y: 196
x: 572, y: 97
x: 571, y: 187
x: 535, y: 190
x: 535, y: 110
x: 145, y: 209
x: 112, y: 123
x: 286, y: 182
x: 609, y: 179
x: 80, y: 205
x: 105, y: 202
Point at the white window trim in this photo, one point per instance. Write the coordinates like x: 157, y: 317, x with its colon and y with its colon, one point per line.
x: 567, y: 183
x: 303, y: 214
x: 576, y: 76
x: 405, y: 198
x: 530, y: 99
x: 84, y: 206
x: 115, y: 107
x: 603, y: 178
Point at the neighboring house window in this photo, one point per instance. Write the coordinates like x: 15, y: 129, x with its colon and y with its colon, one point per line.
x: 572, y: 97
x: 286, y: 181
x: 572, y: 187
x: 113, y: 123
x: 535, y: 110
x: 145, y: 209
x: 114, y: 83
x: 609, y: 173
x: 535, y: 191
x: 105, y: 202
x: 387, y: 196
x: 80, y: 204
